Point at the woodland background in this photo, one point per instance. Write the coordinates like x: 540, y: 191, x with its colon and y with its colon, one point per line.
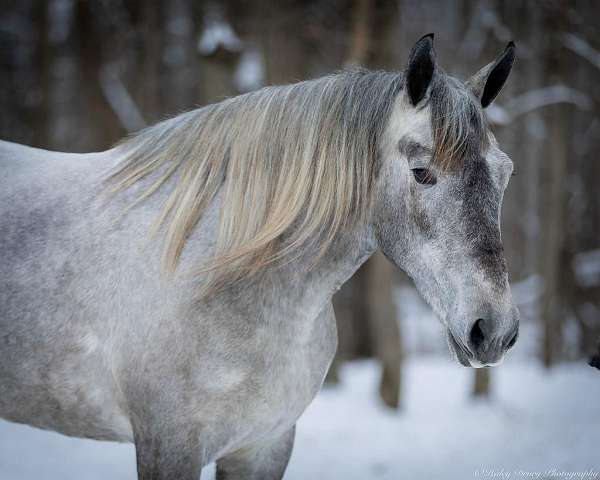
x: 79, y: 75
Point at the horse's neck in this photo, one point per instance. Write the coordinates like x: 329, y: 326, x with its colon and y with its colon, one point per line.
x: 336, y: 266
x: 299, y: 285
x: 305, y: 289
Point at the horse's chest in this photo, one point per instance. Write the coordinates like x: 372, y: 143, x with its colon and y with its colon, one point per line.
x: 295, y: 372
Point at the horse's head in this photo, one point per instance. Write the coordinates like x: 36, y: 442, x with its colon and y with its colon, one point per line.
x: 438, y: 198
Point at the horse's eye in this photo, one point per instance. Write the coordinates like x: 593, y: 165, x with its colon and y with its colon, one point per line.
x: 424, y: 176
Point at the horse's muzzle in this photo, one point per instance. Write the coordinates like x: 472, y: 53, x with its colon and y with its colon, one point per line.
x: 485, y: 344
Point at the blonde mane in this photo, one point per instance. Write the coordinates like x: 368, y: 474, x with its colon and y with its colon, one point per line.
x: 294, y: 165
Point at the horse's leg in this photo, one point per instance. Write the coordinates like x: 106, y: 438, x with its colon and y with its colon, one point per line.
x: 168, y: 456
x: 262, y: 461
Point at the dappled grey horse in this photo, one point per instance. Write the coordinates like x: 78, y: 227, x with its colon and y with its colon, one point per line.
x: 175, y: 291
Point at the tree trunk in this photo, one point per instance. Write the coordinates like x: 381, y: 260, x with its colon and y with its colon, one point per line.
x: 383, y: 320
x: 481, y: 383
x: 552, y: 306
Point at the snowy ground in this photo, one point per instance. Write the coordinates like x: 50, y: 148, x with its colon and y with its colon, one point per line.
x: 538, y: 425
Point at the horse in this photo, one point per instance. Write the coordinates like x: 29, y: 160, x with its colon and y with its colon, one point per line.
x: 175, y: 290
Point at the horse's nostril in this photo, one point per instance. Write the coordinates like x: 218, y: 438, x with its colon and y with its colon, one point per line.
x: 513, y: 340
x: 476, y: 337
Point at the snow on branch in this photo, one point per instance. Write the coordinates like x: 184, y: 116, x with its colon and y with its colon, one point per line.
x: 582, y: 48
x: 218, y: 34
x: 535, y: 99
x: 250, y: 71
x: 587, y: 268
x: 120, y: 101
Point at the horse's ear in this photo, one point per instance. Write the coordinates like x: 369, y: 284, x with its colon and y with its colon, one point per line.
x: 488, y: 81
x: 420, y: 69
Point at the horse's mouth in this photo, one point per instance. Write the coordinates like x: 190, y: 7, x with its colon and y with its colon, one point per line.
x: 460, y: 351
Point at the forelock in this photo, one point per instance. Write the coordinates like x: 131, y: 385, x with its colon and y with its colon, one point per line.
x: 458, y: 123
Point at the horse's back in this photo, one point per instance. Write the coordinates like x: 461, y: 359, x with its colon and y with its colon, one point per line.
x: 11, y: 152
x: 39, y: 193
x: 21, y: 164
x: 17, y: 161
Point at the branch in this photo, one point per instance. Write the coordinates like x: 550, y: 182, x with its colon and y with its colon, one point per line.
x: 582, y: 48
x: 535, y: 99
x: 361, y: 33
x: 120, y: 101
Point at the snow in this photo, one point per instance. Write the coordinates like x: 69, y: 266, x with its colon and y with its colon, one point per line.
x: 217, y: 34
x: 587, y: 268
x: 538, y: 424
x: 536, y: 421
x: 422, y: 332
x: 250, y: 71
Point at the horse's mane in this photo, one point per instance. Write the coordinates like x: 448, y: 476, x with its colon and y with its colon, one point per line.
x: 295, y: 163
